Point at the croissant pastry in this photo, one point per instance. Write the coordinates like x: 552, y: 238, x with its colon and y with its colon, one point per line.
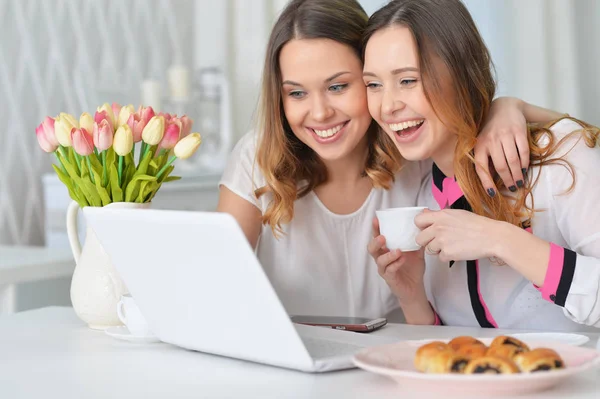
x: 507, y: 351
x: 472, y: 351
x: 541, y: 359
x: 457, y: 342
x: 446, y: 361
x: 438, y: 357
x: 506, y: 340
x: 491, y: 365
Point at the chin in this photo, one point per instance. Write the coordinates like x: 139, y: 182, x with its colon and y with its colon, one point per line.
x: 413, y: 154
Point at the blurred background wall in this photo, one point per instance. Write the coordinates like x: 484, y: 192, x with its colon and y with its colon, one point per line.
x: 204, y: 58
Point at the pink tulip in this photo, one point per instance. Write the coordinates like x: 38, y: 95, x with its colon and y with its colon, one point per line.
x: 45, y: 135
x: 146, y: 113
x: 171, y: 136
x: 103, y: 116
x: 136, y: 126
x: 103, y: 135
x: 186, y: 125
x: 166, y: 115
x: 83, y: 142
x: 116, y: 108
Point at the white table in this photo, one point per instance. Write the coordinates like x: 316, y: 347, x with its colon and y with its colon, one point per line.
x: 47, y: 353
x: 21, y: 264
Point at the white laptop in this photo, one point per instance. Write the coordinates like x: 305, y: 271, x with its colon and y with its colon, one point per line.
x: 200, y: 286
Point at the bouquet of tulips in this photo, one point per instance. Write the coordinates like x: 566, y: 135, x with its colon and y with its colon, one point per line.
x: 96, y: 155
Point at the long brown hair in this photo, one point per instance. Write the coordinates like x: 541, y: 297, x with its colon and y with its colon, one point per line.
x: 458, y: 81
x: 284, y: 160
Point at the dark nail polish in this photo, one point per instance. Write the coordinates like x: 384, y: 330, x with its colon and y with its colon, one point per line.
x: 524, y: 170
x: 512, y: 189
x: 491, y: 192
x: 520, y: 183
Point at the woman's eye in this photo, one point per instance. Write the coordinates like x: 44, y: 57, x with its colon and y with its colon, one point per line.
x: 297, y: 94
x: 338, y: 87
x: 408, y: 82
x: 373, y: 85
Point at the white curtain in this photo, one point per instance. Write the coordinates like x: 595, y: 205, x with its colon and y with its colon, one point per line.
x: 546, y: 51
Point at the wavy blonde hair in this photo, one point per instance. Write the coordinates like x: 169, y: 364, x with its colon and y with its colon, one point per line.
x: 458, y: 81
x: 290, y: 167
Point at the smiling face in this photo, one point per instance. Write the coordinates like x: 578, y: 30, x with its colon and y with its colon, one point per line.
x: 397, y: 99
x: 324, y: 99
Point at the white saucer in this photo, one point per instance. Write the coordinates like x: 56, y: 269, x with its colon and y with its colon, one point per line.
x: 562, y: 338
x: 121, y: 332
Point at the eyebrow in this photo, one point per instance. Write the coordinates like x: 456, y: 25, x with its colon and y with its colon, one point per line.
x: 329, y: 79
x: 395, y: 71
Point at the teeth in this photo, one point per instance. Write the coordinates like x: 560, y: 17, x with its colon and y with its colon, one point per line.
x: 329, y: 132
x: 404, y: 125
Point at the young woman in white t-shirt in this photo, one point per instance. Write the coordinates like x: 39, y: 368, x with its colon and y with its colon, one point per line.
x: 305, y: 186
x: 526, y: 259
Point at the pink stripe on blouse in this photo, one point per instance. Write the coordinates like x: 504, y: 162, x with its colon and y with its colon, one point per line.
x: 554, y: 272
x: 488, y: 314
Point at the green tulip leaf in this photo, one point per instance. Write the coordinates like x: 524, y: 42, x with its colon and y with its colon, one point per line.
x: 102, y: 192
x: 91, y: 191
x: 171, y: 178
x: 132, y: 191
x: 140, y: 196
x: 149, y: 190
x: 117, y: 193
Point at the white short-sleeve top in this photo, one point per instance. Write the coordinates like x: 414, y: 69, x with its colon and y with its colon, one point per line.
x: 488, y: 295
x: 321, y: 265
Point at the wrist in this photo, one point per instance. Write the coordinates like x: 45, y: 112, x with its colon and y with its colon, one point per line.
x: 503, y: 233
x: 418, y: 310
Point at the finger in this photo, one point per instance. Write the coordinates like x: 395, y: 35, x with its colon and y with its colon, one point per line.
x: 375, y: 246
x: 501, y: 166
x: 384, y: 260
x: 524, y: 154
x: 426, y: 219
x: 514, y: 162
x: 425, y: 237
x: 375, y: 227
x: 483, y: 171
x: 392, y: 268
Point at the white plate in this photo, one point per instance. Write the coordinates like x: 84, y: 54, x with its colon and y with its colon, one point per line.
x: 562, y: 338
x: 121, y: 332
x: 397, y: 362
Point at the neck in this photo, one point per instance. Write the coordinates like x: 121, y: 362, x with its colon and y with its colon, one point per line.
x: 350, y: 169
x: 444, y: 157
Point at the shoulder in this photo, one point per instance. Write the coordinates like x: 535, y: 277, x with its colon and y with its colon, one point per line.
x: 573, y: 159
x: 573, y: 146
x: 246, y: 146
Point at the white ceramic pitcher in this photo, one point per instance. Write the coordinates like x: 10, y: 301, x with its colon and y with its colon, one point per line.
x: 96, y: 287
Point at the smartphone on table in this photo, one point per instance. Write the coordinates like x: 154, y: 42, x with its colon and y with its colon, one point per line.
x: 357, y: 324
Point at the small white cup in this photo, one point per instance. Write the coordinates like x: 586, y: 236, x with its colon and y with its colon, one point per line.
x: 130, y: 315
x: 398, y: 227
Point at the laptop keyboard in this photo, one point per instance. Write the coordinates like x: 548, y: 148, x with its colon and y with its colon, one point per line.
x: 321, y: 348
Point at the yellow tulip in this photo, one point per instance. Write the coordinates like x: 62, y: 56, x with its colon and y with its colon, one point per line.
x: 124, y: 114
x: 63, y: 125
x: 109, y: 112
x: 86, y: 121
x: 154, y: 131
x: 187, y: 146
x: 123, y: 141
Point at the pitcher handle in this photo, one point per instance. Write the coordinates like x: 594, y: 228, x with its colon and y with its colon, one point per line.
x: 73, y: 230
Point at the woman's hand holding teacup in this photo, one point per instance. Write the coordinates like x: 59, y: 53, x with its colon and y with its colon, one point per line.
x: 402, y: 271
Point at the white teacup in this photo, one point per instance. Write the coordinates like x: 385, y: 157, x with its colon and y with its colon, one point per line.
x: 130, y: 315
x: 398, y: 227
